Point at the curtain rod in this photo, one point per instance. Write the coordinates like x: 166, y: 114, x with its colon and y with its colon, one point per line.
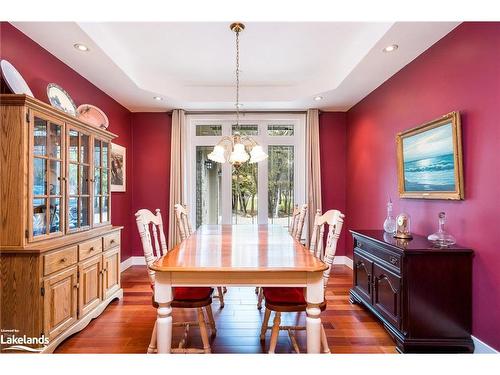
x: 245, y: 112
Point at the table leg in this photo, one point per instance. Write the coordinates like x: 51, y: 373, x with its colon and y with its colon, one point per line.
x: 163, y: 296
x: 314, y: 297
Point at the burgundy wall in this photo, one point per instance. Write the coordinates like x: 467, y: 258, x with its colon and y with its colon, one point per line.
x: 332, y: 140
x: 39, y: 68
x: 151, y: 153
x: 460, y: 72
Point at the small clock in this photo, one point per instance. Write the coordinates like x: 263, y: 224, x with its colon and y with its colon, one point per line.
x: 403, y: 226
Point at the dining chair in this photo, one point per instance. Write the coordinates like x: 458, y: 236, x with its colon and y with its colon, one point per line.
x: 295, y: 229
x: 297, y: 221
x: 185, y: 230
x: 199, y: 298
x: 283, y: 299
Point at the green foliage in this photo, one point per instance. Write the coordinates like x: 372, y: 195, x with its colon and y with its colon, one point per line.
x: 280, y: 184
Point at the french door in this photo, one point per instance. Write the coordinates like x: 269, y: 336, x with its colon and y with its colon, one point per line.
x: 259, y: 193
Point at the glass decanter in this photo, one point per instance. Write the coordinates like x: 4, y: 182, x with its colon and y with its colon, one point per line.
x: 390, y: 221
x: 441, y: 237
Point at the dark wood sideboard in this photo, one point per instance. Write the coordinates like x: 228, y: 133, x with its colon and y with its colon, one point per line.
x: 422, y: 294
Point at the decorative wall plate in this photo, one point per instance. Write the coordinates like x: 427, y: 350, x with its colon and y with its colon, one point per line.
x: 93, y: 116
x: 14, y: 79
x: 60, y: 99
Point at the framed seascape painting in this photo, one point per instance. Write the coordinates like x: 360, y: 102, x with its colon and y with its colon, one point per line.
x: 118, y: 168
x: 430, y: 160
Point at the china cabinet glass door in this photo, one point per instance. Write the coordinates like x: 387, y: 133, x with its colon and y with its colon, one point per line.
x: 78, y: 180
x: 101, y: 183
x: 47, y: 176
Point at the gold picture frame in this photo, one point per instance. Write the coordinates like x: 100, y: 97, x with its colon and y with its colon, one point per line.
x: 430, y: 163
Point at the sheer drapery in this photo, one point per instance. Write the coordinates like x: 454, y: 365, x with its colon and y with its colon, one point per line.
x: 177, y: 172
x: 313, y: 168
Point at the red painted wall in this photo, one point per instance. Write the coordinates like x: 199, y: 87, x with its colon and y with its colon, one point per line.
x: 39, y: 68
x: 332, y: 140
x: 151, y: 153
x: 460, y: 72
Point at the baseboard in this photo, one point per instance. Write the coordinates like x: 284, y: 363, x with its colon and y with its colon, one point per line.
x: 132, y: 261
x: 482, y: 348
x: 346, y: 261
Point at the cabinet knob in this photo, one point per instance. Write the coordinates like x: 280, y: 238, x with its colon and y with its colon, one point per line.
x: 77, y: 285
x: 63, y: 260
x: 394, y: 260
x: 91, y: 249
x: 112, y: 241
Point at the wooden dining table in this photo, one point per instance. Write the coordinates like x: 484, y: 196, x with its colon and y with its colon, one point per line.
x: 239, y: 255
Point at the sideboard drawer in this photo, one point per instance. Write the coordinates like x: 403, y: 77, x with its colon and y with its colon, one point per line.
x: 111, y: 240
x: 59, y: 259
x: 90, y: 248
x: 390, y: 258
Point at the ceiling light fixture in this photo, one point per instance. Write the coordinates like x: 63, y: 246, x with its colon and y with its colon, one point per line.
x: 81, y: 47
x: 391, y: 48
x: 317, y: 98
x: 159, y: 98
x: 234, y: 148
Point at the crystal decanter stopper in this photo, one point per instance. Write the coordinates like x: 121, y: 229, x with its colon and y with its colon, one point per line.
x: 441, y: 237
x: 389, y: 222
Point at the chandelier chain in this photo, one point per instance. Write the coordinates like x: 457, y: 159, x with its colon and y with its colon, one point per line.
x: 238, y: 79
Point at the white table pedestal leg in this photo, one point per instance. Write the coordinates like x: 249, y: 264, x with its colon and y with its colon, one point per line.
x: 163, y: 296
x: 313, y: 328
x: 314, y: 297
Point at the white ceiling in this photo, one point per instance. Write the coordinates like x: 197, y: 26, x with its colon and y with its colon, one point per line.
x: 192, y: 64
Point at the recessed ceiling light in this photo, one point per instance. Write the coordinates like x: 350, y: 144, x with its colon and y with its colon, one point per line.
x: 159, y: 98
x: 391, y: 48
x: 239, y: 105
x: 81, y: 47
x: 317, y: 98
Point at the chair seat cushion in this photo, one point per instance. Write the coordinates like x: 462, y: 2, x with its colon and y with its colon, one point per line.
x: 192, y: 293
x: 287, y: 299
x: 182, y: 293
x: 284, y: 295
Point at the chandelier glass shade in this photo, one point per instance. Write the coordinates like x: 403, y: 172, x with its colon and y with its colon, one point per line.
x: 234, y: 149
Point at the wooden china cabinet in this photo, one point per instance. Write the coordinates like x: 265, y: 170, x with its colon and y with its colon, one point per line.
x: 59, y: 253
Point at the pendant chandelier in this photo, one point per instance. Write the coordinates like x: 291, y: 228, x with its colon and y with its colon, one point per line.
x: 234, y: 149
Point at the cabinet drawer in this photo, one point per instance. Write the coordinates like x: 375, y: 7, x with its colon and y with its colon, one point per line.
x: 388, y: 257
x: 89, y: 248
x: 111, y: 240
x: 59, y: 259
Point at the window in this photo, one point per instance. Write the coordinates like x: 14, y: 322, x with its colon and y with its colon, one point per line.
x: 251, y: 193
x: 280, y: 130
x: 208, y: 130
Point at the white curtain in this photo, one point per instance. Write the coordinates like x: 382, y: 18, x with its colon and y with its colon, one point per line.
x: 313, y: 168
x: 177, y: 171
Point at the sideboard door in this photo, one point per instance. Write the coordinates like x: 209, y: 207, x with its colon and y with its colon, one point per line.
x: 111, y: 275
x: 387, y: 294
x: 60, y: 302
x: 363, y: 270
x: 90, y: 289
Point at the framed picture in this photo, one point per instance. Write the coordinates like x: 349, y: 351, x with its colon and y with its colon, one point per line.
x: 118, y: 168
x: 430, y: 162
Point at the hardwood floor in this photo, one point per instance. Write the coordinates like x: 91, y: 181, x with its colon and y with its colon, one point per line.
x: 125, y: 326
